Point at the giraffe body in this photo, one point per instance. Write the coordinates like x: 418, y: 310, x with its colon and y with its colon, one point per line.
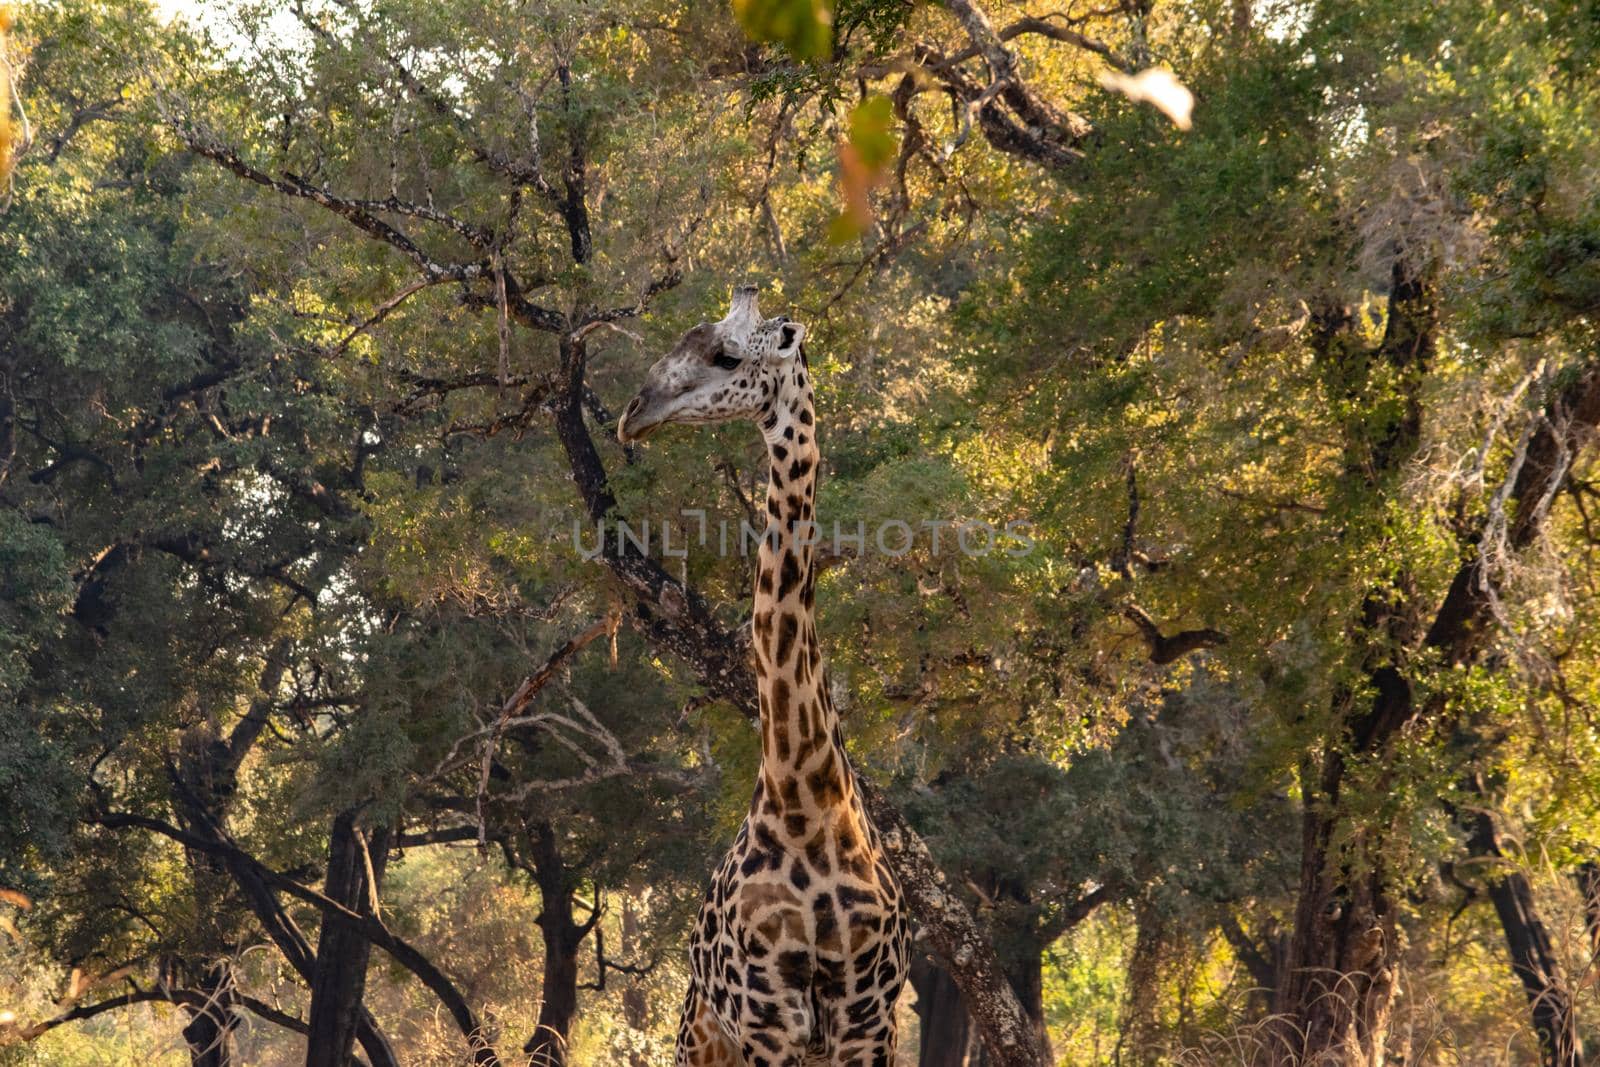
x: 801, y: 947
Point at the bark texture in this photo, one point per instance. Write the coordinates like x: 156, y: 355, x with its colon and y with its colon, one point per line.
x: 945, y: 1025
x: 339, y: 974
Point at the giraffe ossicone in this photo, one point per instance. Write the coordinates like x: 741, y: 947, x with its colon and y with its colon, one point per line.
x: 800, y: 951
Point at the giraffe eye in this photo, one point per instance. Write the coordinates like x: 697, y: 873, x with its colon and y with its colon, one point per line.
x: 725, y: 361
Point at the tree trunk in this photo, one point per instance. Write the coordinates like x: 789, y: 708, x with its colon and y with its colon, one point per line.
x: 1533, y: 957
x: 1009, y: 1035
x: 339, y: 975
x: 1026, y: 975
x: 1023, y: 962
x: 562, y: 938
x: 210, y: 1039
x: 1139, y: 1032
x: 1533, y: 960
x: 209, y: 1032
x: 636, y: 994
x: 1264, y: 963
x: 1589, y: 885
x: 1334, y: 1000
x: 946, y: 1027
x: 560, y: 997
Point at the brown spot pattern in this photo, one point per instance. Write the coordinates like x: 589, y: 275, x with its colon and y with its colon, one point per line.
x: 800, y: 950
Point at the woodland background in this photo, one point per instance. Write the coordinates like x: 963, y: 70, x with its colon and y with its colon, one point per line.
x: 1280, y: 746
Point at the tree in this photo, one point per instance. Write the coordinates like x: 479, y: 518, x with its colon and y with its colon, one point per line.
x: 310, y: 341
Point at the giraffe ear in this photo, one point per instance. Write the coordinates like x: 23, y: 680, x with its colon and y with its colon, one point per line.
x: 790, y: 334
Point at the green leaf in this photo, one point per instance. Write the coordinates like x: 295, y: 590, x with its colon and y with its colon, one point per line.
x: 872, y: 131
x: 804, y: 27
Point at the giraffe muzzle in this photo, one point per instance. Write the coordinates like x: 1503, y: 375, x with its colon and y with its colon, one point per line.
x: 633, y: 427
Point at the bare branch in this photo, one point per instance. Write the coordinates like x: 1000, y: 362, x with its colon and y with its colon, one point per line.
x: 162, y: 994
x: 359, y: 213
x: 581, y: 724
x: 530, y: 687
x: 80, y: 117
x: 1042, y: 26
x: 1167, y: 649
x: 1075, y: 912
x: 520, y: 308
x: 381, y: 312
x: 443, y: 835
x: 216, y: 841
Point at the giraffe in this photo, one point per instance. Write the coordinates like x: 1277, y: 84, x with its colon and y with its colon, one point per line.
x: 801, y: 946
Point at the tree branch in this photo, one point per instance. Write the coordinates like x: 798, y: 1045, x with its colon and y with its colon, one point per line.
x: 381, y: 312
x: 443, y: 835
x: 521, y: 171
x: 1038, y: 131
x: 1567, y: 421
x: 1075, y: 912
x: 522, y: 697
x: 162, y: 994
x: 1042, y: 27
x: 216, y: 841
x: 1166, y: 649
x: 359, y: 213
x: 255, y: 719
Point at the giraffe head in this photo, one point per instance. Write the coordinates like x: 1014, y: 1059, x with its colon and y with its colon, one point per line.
x: 718, y: 371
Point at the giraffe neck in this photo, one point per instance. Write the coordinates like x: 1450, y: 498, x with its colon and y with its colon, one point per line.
x: 805, y: 774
